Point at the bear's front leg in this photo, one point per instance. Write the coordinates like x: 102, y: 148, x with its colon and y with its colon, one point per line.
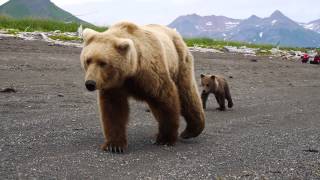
x: 114, y: 111
x: 166, y: 110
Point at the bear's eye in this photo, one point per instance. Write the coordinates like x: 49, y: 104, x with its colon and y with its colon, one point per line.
x: 89, y: 61
x: 102, y: 64
x: 207, y: 85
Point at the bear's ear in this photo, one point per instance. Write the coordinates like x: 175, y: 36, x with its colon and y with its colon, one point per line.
x: 123, y: 46
x: 213, y: 77
x: 202, y: 75
x: 128, y: 26
x: 88, y: 34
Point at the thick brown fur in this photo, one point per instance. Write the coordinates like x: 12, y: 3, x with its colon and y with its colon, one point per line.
x: 219, y: 87
x: 150, y: 63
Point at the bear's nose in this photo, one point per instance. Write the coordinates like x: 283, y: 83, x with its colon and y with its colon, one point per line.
x: 90, y: 85
x: 203, y: 91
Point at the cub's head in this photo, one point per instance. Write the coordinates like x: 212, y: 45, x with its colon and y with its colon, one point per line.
x: 208, y: 83
x: 107, y: 60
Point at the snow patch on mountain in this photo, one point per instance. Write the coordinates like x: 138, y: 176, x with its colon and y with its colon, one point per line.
x: 309, y: 26
x: 260, y: 34
x: 209, y: 23
x: 231, y: 25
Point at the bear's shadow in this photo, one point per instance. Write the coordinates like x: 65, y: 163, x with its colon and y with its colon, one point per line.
x: 138, y: 142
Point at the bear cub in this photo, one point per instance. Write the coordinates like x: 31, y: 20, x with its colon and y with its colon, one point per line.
x: 219, y: 87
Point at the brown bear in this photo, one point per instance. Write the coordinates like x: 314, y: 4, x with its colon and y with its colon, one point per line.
x: 219, y: 87
x: 149, y: 63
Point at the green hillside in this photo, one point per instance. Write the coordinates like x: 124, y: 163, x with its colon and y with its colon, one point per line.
x: 45, y: 25
x: 44, y: 9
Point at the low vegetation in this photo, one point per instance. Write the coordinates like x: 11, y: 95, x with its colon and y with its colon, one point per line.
x: 65, y: 38
x: 219, y: 44
x: 44, y: 25
x: 12, y: 31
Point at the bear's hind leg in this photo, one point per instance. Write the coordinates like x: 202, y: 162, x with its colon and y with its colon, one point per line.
x: 191, y: 107
x: 192, y: 111
x: 114, y: 112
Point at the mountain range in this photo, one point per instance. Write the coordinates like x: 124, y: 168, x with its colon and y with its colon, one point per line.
x: 275, y: 29
x: 44, y: 9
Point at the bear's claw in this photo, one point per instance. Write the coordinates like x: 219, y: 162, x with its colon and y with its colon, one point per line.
x: 112, y: 148
x: 115, y: 149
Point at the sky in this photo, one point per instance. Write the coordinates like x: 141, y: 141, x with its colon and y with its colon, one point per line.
x: 107, y: 12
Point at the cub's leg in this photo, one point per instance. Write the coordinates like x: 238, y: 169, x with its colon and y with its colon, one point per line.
x: 204, y: 98
x: 217, y: 99
x: 221, y: 101
x: 114, y: 111
x: 228, y: 96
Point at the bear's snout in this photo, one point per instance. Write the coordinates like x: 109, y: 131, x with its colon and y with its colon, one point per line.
x: 205, y: 91
x: 91, y: 85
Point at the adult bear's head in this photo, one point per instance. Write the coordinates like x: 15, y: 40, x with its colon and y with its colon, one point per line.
x: 107, y: 59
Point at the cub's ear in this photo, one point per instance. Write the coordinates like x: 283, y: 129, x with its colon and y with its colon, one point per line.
x: 88, y: 34
x: 202, y: 75
x: 123, y: 46
x: 213, y: 77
